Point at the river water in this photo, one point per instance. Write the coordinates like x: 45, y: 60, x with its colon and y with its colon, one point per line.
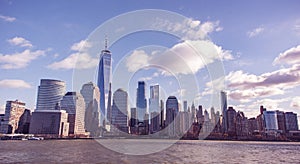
x: 186, y: 151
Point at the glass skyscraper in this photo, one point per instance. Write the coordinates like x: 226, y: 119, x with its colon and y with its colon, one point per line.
x: 224, y: 109
x: 154, y: 99
x: 104, y: 80
x: 141, y: 102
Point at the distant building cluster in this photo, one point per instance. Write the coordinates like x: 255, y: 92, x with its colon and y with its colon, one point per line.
x: 95, y: 111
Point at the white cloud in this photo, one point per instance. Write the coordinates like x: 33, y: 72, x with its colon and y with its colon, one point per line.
x: 290, y: 56
x: 7, y: 18
x: 19, y: 59
x: 14, y: 83
x: 189, y: 29
x: 19, y: 41
x: 137, y: 60
x: 81, y: 46
x: 295, y: 103
x: 255, y: 32
x: 79, y: 59
x: 187, y: 57
x: 75, y: 60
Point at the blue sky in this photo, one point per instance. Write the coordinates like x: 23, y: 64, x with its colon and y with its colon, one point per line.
x: 260, y: 41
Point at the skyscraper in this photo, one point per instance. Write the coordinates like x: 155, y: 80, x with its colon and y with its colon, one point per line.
x: 224, y: 108
x: 291, y: 121
x: 74, y: 104
x: 172, y: 109
x: 120, y: 110
x: 104, y: 80
x: 50, y: 92
x: 13, y: 112
x: 185, y: 106
x: 141, y: 102
x: 91, y: 95
x: 154, y: 98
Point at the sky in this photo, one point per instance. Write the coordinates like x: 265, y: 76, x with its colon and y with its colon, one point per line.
x: 256, y: 43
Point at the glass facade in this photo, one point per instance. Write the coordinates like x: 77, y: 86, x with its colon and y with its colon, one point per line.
x: 141, y: 102
x: 104, y: 80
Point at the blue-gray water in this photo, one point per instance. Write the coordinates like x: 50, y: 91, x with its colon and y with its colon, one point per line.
x: 195, y: 151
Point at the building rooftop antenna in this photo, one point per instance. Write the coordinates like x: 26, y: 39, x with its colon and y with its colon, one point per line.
x: 105, y: 42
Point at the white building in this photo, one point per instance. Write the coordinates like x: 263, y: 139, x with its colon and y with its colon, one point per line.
x: 154, y: 99
x: 91, y: 95
x: 13, y: 112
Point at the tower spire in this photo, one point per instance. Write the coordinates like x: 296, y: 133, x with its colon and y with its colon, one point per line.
x: 105, y: 42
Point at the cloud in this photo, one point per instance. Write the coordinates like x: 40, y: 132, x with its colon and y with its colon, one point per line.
x: 137, y: 60
x: 14, y: 83
x: 75, y: 60
x: 19, y: 41
x: 255, y: 32
x: 7, y: 18
x: 187, y: 57
x: 189, y: 29
x: 81, y: 46
x: 19, y: 59
x: 290, y: 56
x: 295, y: 103
x: 246, y: 86
x: 79, y: 59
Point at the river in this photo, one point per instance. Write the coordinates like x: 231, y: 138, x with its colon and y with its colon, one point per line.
x: 185, y: 151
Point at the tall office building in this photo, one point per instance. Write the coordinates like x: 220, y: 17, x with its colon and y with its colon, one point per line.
x: 133, y: 121
x: 172, y: 110
x: 185, y: 106
x: 231, y: 119
x: 141, y: 102
x: 50, y: 92
x: 154, y: 98
x: 74, y: 104
x: 13, y: 112
x: 91, y: 95
x: 271, y: 122
x: 104, y: 80
x: 120, y: 110
x: 162, y: 114
x: 224, y: 108
x: 291, y: 122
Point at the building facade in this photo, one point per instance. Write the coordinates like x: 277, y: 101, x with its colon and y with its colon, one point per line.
x: 120, y: 110
x: 50, y: 123
x: 74, y: 105
x: 50, y: 92
x: 24, y: 122
x: 13, y: 112
x: 104, y: 80
x: 223, y: 109
x: 154, y: 98
x: 172, y: 110
x: 141, y: 102
x: 291, y: 121
x: 91, y: 96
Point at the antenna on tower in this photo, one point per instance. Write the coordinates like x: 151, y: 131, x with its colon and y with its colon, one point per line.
x: 105, y: 42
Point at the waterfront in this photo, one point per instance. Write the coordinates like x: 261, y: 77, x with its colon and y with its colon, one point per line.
x: 186, y: 151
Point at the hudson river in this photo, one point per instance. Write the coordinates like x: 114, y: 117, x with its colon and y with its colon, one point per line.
x: 193, y: 151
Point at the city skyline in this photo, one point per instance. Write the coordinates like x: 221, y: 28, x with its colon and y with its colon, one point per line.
x: 260, y: 54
